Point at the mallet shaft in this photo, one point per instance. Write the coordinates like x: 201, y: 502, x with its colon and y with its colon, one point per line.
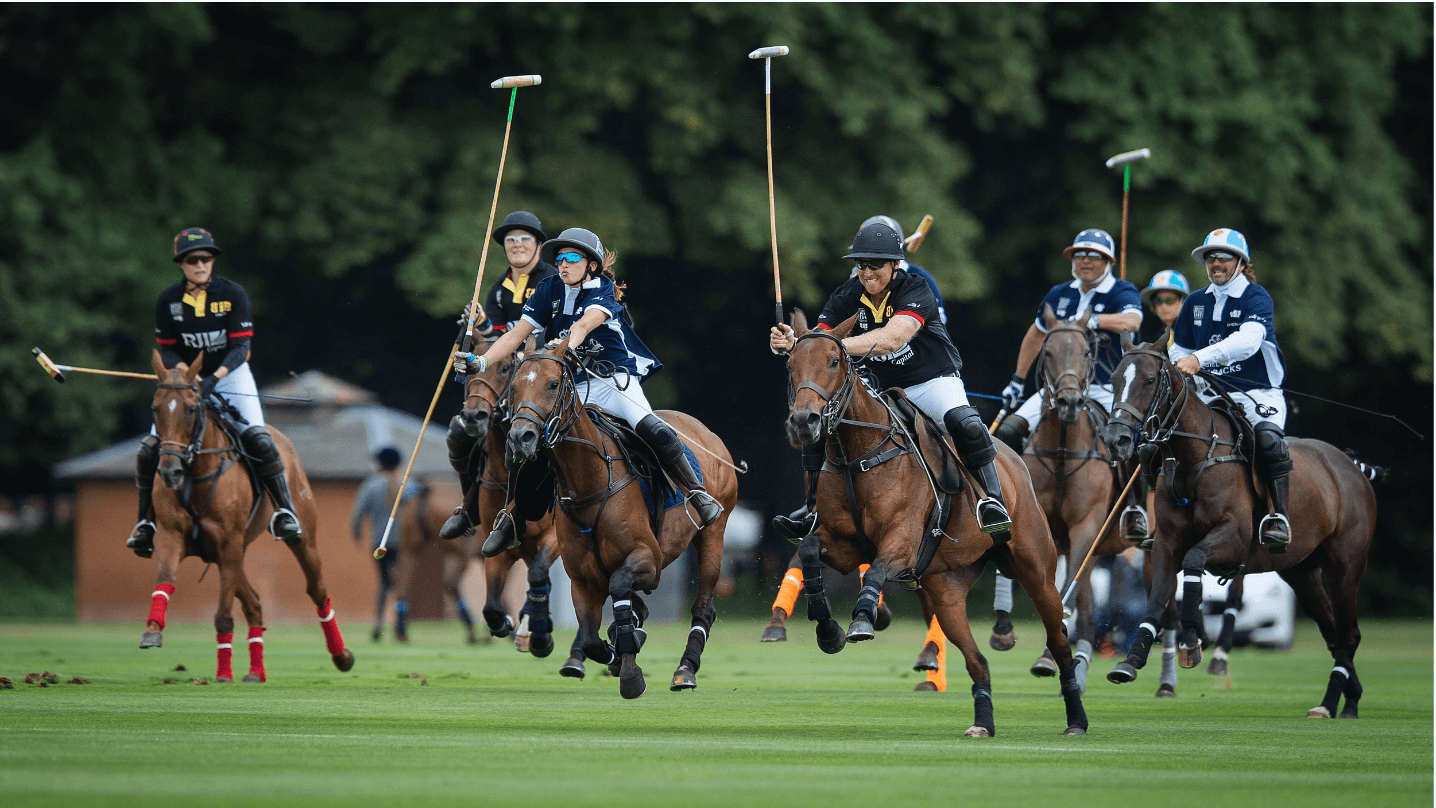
x: 517, y: 81
x: 1122, y: 497
x: 772, y: 202
x: 398, y: 497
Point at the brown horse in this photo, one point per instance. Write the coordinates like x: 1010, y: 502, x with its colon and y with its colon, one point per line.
x: 1072, y: 473
x: 418, y: 526
x: 891, y: 498
x: 207, y: 507
x: 606, y: 536
x: 484, y: 419
x: 1207, y: 516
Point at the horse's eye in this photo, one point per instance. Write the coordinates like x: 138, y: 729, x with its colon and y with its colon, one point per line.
x: 833, y: 363
x: 504, y: 368
x: 1151, y: 380
x: 553, y: 385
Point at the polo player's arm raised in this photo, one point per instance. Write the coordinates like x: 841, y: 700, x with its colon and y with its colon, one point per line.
x: 899, y: 330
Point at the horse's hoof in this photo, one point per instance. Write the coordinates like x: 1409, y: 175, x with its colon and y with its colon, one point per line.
x: 630, y: 678
x: 572, y: 668
x: 614, y: 667
x: 926, y: 687
x: 522, y: 642
x: 1318, y: 712
x: 883, y: 618
x: 1002, y: 642
x: 253, y: 678
x: 774, y: 634
x: 1044, y: 666
x: 860, y: 630
x: 503, y: 631
x: 1218, y: 665
x: 344, y: 661
x: 541, y: 645
x: 1349, y: 712
x: 927, y: 660
x: 975, y: 731
x: 224, y: 680
x: 1075, y: 731
x: 1189, y: 657
x: 1164, y: 690
x: 471, y: 638
x: 151, y: 639
x: 1122, y: 673
x: 830, y: 636
x: 683, y: 679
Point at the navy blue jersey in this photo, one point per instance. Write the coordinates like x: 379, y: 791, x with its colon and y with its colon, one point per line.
x: 215, y: 321
x: 555, y: 307
x: 1203, y: 323
x: 931, y: 284
x: 1111, y: 296
x: 928, y: 355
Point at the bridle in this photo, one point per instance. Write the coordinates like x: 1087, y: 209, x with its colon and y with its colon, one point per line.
x: 556, y: 424
x: 1052, y: 386
x: 1054, y: 460
x: 1157, y: 427
x: 835, y: 403
x: 192, y: 451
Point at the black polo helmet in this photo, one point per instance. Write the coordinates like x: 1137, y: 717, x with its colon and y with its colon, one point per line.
x: 876, y: 240
x: 520, y: 220
x: 584, y: 240
x: 191, y: 239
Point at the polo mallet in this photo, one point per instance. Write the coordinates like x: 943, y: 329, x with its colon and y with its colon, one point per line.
x: 767, y: 54
x: 996, y: 422
x: 57, y: 372
x: 513, y: 83
x: 915, y: 240
x: 1072, y: 582
x: 1125, y: 160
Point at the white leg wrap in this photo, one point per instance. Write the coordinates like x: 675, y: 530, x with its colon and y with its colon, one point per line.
x: 1002, y: 599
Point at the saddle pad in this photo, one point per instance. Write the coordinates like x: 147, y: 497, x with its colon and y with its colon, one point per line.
x: 672, y: 495
x: 640, y: 457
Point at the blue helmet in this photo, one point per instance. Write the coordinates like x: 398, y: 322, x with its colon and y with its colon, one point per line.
x: 388, y: 458
x: 1168, y: 280
x: 1225, y: 240
x: 1093, y: 239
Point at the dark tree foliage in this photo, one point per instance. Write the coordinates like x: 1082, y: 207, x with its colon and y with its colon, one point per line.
x: 345, y: 158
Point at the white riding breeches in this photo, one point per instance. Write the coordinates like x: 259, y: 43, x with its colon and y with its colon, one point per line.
x: 630, y: 403
x: 1031, y: 409
x: 936, y: 396
x: 242, y: 393
x: 1263, y: 404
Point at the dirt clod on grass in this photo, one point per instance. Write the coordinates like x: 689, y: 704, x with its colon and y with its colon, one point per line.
x: 78, y: 681
x: 179, y: 667
x: 6, y: 683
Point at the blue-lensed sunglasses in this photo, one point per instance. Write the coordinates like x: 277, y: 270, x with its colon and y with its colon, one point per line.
x: 568, y: 257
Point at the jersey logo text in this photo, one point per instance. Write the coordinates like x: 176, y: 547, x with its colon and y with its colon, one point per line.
x: 208, y: 340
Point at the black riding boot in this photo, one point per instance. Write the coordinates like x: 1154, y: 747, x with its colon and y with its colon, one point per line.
x: 1013, y: 432
x: 975, y: 448
x: 142, y: 538
x: 665, y: 443
x: 507, y: 534
x: 1276, y: 463
x: 258, y: 444
x: 461, y: 447
x: 1135, y: 514
x: 804, y: 521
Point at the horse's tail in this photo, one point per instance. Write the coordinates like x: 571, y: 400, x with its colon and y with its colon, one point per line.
x: 1376, y: 474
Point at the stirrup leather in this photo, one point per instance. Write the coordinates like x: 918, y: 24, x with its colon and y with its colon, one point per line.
x: 995, y: 527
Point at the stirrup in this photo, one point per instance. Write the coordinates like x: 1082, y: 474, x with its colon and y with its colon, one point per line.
x: 142, y: 539
x: 702, y: 500
x: 497, y: 542
x: 1132, y: 535
x: 290, y: 538
x: 1275, y: 545
x: 995, y: 527
x: 795, y: 530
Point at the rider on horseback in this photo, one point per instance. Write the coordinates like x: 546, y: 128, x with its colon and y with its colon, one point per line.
x: 582, y: 304
x: 209, y: 315
x: 1116, y: 306
x: 897, y: 322
x: 1229, y: 329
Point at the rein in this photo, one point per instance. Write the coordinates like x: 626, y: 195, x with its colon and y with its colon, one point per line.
x: 1051, y: 388
x: 192, y: 451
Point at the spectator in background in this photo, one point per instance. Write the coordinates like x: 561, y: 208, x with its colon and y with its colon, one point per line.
x: 376, y: 497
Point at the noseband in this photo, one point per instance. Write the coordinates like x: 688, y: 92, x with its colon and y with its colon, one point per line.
x: 1157, y: 427
x: 554, y: 429
x: 1052, y: 385
x: 197, y: 430
x: 835, y: 403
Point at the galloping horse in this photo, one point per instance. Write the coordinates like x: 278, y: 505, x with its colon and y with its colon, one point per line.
x: 1207, y: 516
x: 208, y: 507
x: 486, y: 481
x: 610, y: 544
x: 890, y: 497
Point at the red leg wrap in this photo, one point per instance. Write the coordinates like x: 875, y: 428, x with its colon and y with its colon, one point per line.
x: 333, y: 640
x: 226, y: 654
x: 256, y: 652
x: 159, y: 603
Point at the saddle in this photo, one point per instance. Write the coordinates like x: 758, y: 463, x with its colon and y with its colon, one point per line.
x: 937, y: 454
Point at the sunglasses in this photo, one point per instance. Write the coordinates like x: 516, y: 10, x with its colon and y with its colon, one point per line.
x: 871, y: 266
x: 1219, y: 256
x: 568, y: 257
x: 1089, y: 254
x: 1165, y: 300
x: 196, y: 259
x: 518, y: 239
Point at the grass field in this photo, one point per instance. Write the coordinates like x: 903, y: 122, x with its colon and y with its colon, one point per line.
x: 772, y: 724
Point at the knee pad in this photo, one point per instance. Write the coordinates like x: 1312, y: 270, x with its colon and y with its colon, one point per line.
x: 974, y: 445
x: 658, y: 434
x: 146, y: 460
x: 1271, y: 448
x: 461, y: 445
x: 259, y: 444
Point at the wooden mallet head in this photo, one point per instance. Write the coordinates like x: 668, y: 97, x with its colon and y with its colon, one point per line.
x: 517, y: 81
x: 48, y: 365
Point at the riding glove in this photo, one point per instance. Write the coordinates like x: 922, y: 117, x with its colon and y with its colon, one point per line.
x: 1012, y: 394
x: 206, y: 387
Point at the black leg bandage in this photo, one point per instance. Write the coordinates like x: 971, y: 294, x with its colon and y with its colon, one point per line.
x: 982, y: 707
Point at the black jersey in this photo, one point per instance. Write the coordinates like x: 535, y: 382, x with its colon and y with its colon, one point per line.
x: 505, y: 303
x: 928, y: 355
x: 216, y: 320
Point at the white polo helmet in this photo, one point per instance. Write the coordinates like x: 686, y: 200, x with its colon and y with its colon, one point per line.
x: 1223, y: 240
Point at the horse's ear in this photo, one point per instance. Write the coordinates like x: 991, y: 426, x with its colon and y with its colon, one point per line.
x: 1086, y: 315
x: 1166, y: 340
x: 530, y: 345
x: 158, y: 364
x: 845, y: 327
x: 1127, y: 343
x: 799, y: 322
x: 560, y: 349
x: 1049, y: 317
x: 192, y: 372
